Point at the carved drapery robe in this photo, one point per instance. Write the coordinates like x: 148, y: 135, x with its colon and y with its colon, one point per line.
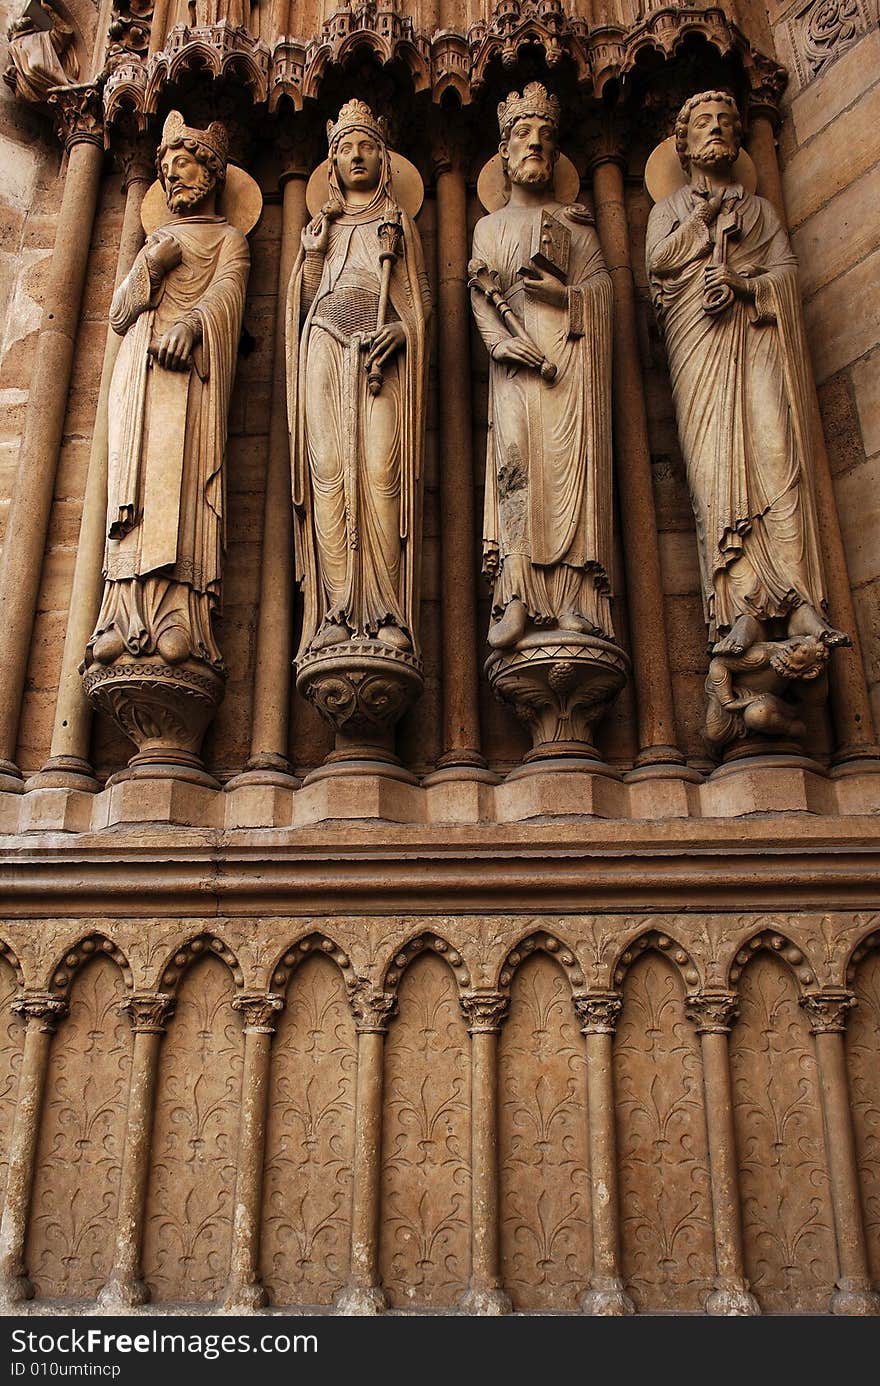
x: 356, y: 457
x: 740, y: 385
x: 42, y: 59
x: 547, y: 521
x: 167, y: 437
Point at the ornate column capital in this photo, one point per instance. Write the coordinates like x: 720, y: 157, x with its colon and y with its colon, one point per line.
x: 373, y: 1009
x: 135, y: 156
x: 297, y: 155
x: 148, y: 1011
x: 712, y: 1011
x: 259, y: 1011
x: 79, y: 114
x: 607, y: 141
x: 41, y: 1008
x: 598, y: 1011
x: 828, y: 1009
x: 767, y: 82
x: 484, y: 1011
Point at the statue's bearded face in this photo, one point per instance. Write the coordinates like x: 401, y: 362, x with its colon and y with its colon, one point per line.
x: 187, y: 180
x: 529, y: 151
x: 712, y: 137
x: 358, y: 159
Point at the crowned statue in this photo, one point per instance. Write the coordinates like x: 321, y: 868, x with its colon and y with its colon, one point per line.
x: 541, y: 296
x: 724, y: 285
x: 179, y: 311
x: 357, y: 360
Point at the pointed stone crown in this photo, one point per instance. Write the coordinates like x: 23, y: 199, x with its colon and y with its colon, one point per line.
x: 535, y: 101
x: 175, y: 131
x: 356, y: 115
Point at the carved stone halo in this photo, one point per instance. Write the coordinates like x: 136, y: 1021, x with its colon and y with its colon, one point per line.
x: 493, y: 189
x: 664, y: 174
x: 406, y: 180
x: 240, y: 202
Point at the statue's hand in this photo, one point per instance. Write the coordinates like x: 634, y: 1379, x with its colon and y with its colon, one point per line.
x: 515, y: 351
x: 545, y: 287
x: 386, y: 341
x: 164, y: 254
x: 175, y: 347
x: 315, y: 237
x: 718, y: 276
x: 711, y: 206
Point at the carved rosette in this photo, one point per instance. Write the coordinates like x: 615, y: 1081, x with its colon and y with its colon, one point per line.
x: 827, y: 1010
x: 79, y: 114
x: 259, y: 1012
x: 163, y: 708
x: 712, y: 1012
x: 560, y: 686
x: 598, y: 1011
x: 40, y: 1009
x: 148, y: 1012
x: 484, y: 1011
x: 373, y: 1009
x: 362, y: 688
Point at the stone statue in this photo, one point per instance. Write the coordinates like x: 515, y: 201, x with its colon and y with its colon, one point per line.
x: 41, y: 54
x: 179, y: 311
x: 724, y: 285
x: 542, y: 300
x: 358, y: 309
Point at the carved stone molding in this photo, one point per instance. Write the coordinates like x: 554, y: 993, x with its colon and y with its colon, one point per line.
x: 40, y: 1007
x: 148, y: 1012
x: 560, y: 687
x: 129, y: 31
x: 828, y: 1010
x: 259, y: 1011
x: 822, y: 30
x: 712, y: 1012
x: 484, y: 1011
x: 78, y: 113
x: 598, y: 1011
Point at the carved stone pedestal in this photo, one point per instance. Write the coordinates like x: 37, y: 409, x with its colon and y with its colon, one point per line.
x: 362, y: 688
x: 164, y: 708
x: 560, y: 683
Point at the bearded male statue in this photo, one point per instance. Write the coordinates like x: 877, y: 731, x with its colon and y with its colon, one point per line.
x: 724, y: 285
x: 541, y: 296
x: 179, y: 310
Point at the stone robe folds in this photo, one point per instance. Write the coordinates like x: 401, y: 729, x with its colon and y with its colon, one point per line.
x: 740, y: 385
x: 167, y: 436
x: 547, y: 521
x: 356, y: 458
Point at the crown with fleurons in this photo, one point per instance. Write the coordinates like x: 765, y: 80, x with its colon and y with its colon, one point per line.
x: 175, y: 131
x: 535, y: 101
x: 356, y: 115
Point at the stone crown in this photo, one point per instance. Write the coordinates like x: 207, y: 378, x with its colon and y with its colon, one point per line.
x: 356, y: 115
x: 535, y: 101
x: 175, y: 131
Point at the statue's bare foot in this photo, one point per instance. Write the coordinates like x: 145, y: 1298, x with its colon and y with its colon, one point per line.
x: 805, y: 620
x: 333, y: 634
x: 391, y: 634
x: 108, y: 647
x: 569, y: 620
x: 510, y: 628
x: 173, y: 646
x: 743, y: 633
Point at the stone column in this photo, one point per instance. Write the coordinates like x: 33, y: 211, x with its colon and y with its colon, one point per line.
x: 244, y: 1289
x: 461, y: 720
x: 68, y: 764
x: 828, y: 1011
x: 80, y: 120
x: 644, y: 584
x: 40, y: 1012
x: 713, y: 1012
x: 484, y: 1012
x: 149, y: 1013
x: 850, y: 703
x: 274, y: 650
x: 599, y: 1012
x: 363, y: 1295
